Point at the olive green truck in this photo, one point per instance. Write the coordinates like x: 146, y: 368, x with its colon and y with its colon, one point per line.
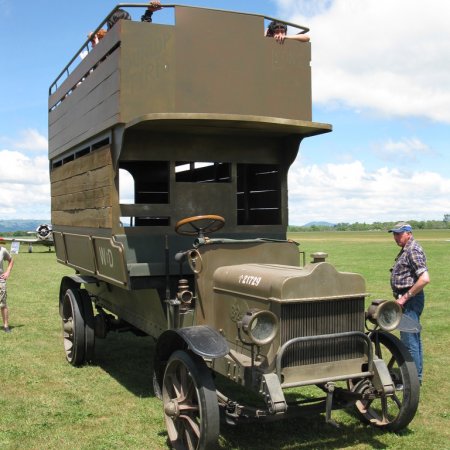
x: 169, y: 148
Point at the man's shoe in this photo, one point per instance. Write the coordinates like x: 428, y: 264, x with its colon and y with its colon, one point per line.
x: 399, y: 387
x: 7, y: 329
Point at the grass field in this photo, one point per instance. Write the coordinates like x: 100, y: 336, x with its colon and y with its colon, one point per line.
x: 47, y: 404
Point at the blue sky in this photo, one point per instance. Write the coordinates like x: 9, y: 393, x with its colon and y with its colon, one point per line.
x: 381, y: 77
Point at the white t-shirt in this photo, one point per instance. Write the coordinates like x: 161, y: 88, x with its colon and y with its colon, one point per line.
x: 4, y: 256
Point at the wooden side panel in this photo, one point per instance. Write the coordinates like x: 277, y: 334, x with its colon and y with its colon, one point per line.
x: 102, y: 49
x: 82, y: 191
x: 91, y: 108
x: 199, y: 66
x: 228, y: 74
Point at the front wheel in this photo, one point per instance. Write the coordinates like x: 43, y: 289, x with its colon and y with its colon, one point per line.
x: 191, y: 410
x: 393, y: 412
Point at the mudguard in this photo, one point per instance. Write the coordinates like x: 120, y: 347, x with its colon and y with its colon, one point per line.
x: 73, y: 282
x: 202, y: 340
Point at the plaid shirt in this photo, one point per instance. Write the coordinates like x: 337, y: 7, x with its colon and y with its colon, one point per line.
x: 409, y: 264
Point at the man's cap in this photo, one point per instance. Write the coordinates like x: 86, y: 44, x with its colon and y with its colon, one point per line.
x: 401, y: 227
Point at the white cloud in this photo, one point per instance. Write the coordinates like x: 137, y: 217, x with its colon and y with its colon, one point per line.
x: 384, y: 55
x: 303, y: 7
x: 30, y: 140
x: 126, y: 187
x: 25, y: 186
x: 349, y: 193
x: 24, y: 179
x: 388, y: 57
x: 406, y: 150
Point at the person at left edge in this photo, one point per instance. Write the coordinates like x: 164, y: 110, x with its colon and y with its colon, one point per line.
x: 4, y: 275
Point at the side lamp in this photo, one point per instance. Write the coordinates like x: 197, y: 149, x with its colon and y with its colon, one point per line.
x: 387, y: 314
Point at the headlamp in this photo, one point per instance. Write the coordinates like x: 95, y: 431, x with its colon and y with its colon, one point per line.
x: 261, y: 326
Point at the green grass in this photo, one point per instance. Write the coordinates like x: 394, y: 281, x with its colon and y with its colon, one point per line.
x: 46, y: 403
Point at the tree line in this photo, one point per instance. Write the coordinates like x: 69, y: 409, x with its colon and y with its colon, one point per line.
x: 376, y: 226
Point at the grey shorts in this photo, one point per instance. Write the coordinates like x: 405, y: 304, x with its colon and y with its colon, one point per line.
x: 2, y: 294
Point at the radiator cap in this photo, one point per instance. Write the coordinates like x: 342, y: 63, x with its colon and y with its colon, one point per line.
x: 319, y: 257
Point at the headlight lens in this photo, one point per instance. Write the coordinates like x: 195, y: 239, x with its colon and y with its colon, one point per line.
x: 386, y: 314
x: 260, y: 326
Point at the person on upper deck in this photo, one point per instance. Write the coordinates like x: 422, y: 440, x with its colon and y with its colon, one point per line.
x: 116, y: 16
x: 154, y: 6
x: 278, y: 31
x: 94, y: 40
x: 122, y: 14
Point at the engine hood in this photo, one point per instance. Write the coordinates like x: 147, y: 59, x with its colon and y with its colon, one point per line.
x: 281, y: 283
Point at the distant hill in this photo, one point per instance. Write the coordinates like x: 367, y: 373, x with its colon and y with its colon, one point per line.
x: 20, y: 225
x: 319, y: 224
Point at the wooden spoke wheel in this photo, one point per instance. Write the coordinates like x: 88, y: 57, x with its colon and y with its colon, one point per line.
x: 191, y: 409
x: 393, y: 412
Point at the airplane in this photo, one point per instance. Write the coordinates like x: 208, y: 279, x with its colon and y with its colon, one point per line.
x: 44, y: 236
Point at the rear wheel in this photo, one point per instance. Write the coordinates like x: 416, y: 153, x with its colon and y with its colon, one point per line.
x: 89, y: 325
x: 78, y: 326
x: 391, y: 412
x: 191, y: 409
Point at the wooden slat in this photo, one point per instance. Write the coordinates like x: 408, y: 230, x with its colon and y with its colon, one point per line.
x: 95, y: 160
x: 95, y: 198
x: 82, y: 191
x: 95, y: 218
x: 93, y: 179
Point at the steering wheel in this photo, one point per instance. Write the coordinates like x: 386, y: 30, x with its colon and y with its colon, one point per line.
x: 208, y: 223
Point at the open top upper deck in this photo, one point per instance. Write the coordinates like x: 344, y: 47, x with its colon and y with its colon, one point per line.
x: 213, y: 69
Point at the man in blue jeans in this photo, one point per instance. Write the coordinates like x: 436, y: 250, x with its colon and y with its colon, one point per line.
x: 409, y: 275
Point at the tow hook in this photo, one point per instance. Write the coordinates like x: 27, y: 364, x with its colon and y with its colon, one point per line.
x: 330, y: 387
x: 231, y: 412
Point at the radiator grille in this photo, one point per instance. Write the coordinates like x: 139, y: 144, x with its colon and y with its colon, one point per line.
x: 319, y: 318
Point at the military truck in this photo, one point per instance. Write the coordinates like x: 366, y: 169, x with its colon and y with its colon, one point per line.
x: 206, y: 125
